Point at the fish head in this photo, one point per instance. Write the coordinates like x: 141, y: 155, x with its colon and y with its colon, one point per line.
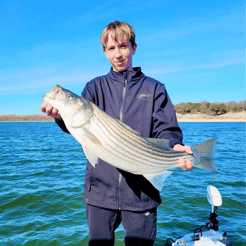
x: 74, y: 110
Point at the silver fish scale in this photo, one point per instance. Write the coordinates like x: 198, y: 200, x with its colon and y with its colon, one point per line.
x: 139, y: 142
x: 131, y: 148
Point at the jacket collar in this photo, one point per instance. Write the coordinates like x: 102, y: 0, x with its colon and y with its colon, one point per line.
x: 129, y: 75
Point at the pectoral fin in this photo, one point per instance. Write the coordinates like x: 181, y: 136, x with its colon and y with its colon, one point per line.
x: 92, y: 158
x: 157, y: 180
x: 160, y: 143
x: 89, y: 137
x: 90, y: 142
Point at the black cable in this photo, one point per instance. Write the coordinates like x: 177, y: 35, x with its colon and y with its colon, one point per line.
x: 167, y: 243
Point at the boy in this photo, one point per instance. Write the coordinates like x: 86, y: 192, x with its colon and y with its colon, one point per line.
x: 125, y: 93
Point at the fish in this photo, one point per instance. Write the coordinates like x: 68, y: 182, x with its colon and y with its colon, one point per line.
x: 106, y: 138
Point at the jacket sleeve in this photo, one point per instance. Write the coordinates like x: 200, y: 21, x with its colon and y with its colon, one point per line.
x: 86, y: 94
x: 165, y: 123
x: 61, y: 124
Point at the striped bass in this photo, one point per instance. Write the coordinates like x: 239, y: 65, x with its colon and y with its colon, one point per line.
x: 109, y: 139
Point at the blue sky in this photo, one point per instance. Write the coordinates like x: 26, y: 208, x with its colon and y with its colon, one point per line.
x: 196, y: 48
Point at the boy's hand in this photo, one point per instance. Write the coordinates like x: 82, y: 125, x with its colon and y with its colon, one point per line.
x: 50, y: 110
x: 185, y: 165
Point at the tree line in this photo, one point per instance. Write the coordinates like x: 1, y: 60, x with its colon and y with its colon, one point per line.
x: 182, y: 108
x: 210, y: 108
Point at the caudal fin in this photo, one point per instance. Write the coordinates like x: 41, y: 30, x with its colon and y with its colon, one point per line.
x: 204, y: 155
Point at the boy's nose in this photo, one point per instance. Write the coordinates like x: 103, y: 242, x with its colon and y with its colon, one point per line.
x: 117, y: 52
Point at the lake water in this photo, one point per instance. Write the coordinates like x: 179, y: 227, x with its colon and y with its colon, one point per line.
x: 42, y: 173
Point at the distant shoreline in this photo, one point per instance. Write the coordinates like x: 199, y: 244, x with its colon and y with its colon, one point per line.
x: 27, y: 121
x: 198, y: 117
x: 25, y: 118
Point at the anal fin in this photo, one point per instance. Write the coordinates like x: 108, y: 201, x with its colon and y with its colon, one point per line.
x: 157, y: 180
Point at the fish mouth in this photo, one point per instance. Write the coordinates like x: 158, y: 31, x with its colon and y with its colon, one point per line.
x: 54, y: 92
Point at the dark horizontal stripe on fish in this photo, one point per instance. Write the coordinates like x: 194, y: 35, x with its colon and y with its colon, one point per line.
x: 139, y: 142
x: 150, y: 158
x: 145, y: 150
x: 115, y: 153
x: 135, y: 164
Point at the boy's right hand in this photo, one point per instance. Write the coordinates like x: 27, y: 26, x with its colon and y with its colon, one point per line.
x: 50, y: 110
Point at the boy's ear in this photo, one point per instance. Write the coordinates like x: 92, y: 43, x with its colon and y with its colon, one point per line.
x: 104, y: 51
x: 134, y: 49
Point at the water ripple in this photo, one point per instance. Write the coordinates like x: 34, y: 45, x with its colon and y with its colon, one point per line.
x: 42, y: 174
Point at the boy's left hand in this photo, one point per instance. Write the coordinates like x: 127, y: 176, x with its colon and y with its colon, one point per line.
x: 185, y: 165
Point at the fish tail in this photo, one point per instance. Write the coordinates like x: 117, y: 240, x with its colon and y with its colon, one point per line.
x: 203, y: 154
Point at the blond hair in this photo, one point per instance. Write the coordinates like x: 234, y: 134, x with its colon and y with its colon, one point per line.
x: 118, y: 28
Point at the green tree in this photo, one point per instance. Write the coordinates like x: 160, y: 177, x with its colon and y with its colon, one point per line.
x: 204, y: 107
x: 217, y: 108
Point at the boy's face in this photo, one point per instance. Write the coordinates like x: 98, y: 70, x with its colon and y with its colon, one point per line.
x: 119, y: 53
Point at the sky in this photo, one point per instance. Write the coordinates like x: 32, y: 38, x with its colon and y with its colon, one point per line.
x: 196, y: 48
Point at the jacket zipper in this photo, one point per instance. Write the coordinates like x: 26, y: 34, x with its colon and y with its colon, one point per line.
x: 123, y: 98
x: 121, y: 118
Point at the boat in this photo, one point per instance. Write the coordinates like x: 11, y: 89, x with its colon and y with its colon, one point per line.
x: 208, y: 234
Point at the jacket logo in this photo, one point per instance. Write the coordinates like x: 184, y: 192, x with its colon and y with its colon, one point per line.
x: 144, y: 96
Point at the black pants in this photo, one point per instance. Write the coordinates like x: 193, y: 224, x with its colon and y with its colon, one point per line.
x: 140, y: 227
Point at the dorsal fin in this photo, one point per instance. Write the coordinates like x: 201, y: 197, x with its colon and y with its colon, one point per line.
x: 159, y: 143
x: 128, y: 128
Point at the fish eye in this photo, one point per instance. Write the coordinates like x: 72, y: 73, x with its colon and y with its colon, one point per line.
x: 69, y: 96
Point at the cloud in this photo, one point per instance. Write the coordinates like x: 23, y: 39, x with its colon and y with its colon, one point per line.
x: 220, y: 59
x: 27, y: 80
x: 220, y: 20
x: 12, y: 81
x: 113, y: 9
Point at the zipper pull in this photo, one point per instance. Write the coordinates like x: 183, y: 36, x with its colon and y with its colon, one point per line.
x: 125, y: 78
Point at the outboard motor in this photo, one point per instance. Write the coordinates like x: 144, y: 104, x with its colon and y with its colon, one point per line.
x: 214, y: 198
x: 212, y: 237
